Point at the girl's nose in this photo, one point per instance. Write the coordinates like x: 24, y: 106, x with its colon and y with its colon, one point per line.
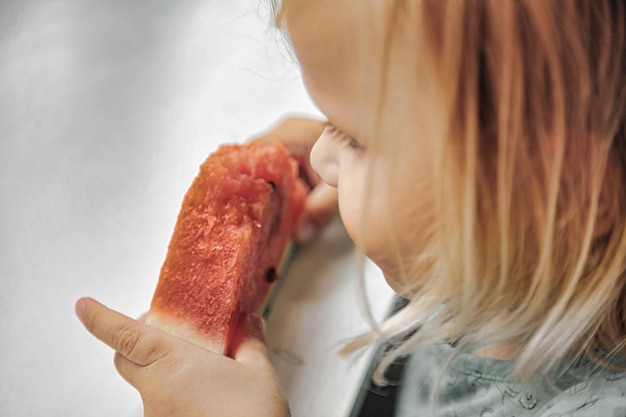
x: 325, y: 158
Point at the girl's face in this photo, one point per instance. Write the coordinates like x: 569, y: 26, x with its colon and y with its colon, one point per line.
x: 385, y: 195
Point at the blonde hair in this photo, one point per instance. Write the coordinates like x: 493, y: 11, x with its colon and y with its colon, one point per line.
x: 531, y: 154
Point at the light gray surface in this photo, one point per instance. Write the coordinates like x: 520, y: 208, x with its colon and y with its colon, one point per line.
x: 318, y: 308
x: 106, y: 110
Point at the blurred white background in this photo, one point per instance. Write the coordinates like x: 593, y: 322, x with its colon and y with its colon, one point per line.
x: 106, y: 110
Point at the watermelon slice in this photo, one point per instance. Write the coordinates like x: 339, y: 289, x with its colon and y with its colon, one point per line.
x: 233, y: 228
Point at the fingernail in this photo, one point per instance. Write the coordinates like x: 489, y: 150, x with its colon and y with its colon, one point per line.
x: 80, y: 307
x: 306, y: 231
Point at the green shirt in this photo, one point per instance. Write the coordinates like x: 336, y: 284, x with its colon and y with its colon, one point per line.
x: 480, y: 387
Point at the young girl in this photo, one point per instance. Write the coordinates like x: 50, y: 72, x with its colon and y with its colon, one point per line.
x: 478, y: 149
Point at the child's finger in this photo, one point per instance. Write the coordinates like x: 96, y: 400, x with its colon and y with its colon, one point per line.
x: 320, y: 209
x: 127, y: 369
x: 142, y: 317
x: 137, y: 342
x: 251, y: 348
x: 298, y: 134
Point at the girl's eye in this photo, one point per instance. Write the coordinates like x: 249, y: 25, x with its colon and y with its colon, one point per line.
x: 353, y: 143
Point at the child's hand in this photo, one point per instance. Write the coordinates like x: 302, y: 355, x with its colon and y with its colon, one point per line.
x: 177, y: 378
x: 298, y: 135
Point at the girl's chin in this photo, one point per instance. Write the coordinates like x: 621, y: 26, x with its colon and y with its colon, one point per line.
x: 401, y: 287
x: 390, y: 271
x: 394, y: 284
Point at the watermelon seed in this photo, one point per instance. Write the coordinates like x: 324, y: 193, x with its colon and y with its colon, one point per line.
x: 273, y: 184
x: 271, y: 275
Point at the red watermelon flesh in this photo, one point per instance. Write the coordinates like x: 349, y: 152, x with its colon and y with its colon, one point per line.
x: 233, y: 228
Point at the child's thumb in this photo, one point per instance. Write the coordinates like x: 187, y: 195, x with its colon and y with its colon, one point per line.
x: 250, y: 346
